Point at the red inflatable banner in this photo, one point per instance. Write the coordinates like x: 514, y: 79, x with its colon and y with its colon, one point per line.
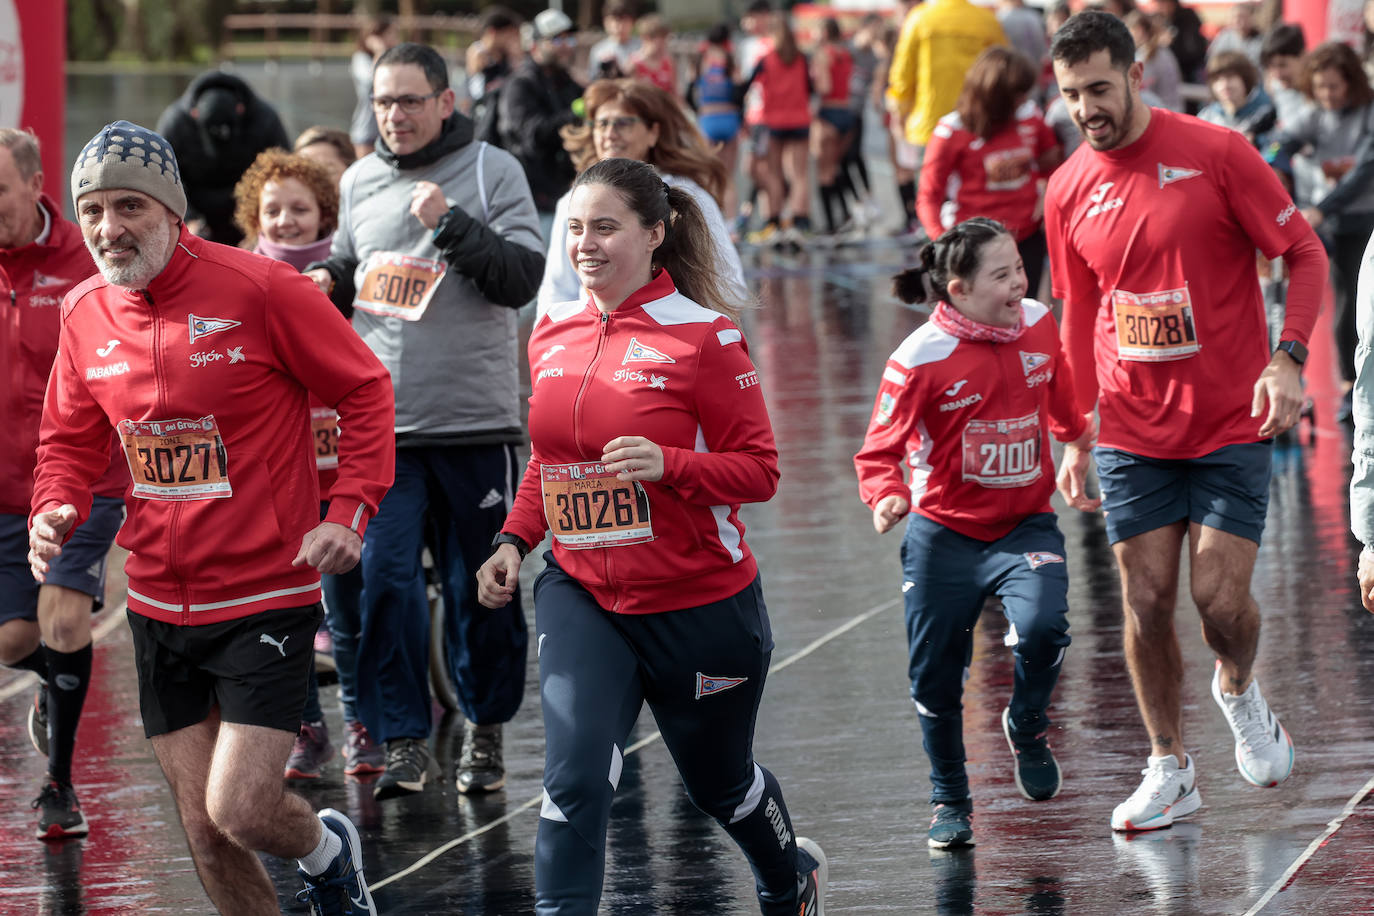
x: 33, y: 84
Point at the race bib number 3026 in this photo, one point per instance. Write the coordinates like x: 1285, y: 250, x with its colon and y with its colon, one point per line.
x: 176, y: 459
x: 1002, y: 453
x: 398, y: 285
x: 586, y: 506
x: 1154, y: 327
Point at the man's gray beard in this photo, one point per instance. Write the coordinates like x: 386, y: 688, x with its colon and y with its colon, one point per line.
x: 145, y: 266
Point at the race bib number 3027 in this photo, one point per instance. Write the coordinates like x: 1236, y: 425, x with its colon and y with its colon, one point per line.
x: 586, y: 506
x: 1002, y: 453
x: 176, y: 459
x: 1154, y: 327
x: 398, y: 285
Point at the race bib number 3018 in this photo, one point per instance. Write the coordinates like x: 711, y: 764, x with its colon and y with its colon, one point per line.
x: 398, y: 285
x: 176, y: 459
x: 1154, y: 327
x: 1002, y: 453
x: 586, y: 506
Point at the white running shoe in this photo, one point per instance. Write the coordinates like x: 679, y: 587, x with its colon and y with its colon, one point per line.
x: 1165, y: 794
x: 1264, y: 752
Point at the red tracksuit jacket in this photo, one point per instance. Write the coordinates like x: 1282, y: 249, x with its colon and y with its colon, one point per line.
x: 33, y: 280
x: 205, y: 375
x: 678, y: 374
x: 971, y: 420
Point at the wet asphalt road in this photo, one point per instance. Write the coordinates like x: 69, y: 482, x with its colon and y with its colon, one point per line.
x: 837, y: 726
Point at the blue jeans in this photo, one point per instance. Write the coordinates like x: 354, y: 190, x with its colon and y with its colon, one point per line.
x: 448, y: 489
x: 948, y: 578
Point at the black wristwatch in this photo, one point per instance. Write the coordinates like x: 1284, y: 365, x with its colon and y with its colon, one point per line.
x: 514, y: 540
x: 1293, y: 349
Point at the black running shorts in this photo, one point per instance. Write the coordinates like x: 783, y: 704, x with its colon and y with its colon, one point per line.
x: 254, y: 669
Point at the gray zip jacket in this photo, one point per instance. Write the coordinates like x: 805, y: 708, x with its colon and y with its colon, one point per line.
x: 456, y: 368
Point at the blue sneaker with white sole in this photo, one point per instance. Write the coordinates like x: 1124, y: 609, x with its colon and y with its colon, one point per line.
x: 342, y: 889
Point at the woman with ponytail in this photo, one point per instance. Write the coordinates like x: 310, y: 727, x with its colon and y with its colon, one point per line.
x: 969, y: 400
x: 647, y: 432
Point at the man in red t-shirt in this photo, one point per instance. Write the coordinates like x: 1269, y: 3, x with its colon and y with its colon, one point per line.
x: 1152, y: 228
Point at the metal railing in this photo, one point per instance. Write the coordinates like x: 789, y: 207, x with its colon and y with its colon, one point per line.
x: 321, y: 35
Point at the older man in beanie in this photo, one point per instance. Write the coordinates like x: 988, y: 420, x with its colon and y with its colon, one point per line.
x: 45, y: 629
x: 202, y: 358
x: 439, y: 238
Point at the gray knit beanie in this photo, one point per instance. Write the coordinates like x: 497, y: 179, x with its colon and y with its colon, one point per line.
x: 124, y: 155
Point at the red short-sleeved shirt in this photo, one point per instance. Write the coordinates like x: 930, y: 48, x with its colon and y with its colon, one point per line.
x: 1152, y: 248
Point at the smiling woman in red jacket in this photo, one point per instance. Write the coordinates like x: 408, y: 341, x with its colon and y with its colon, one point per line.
x: 647, y: 431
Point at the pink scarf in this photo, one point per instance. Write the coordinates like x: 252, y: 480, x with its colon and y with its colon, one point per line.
x: 956, y: 324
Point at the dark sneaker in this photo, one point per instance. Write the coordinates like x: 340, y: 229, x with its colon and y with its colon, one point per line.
x: 362, y: 754
x: 38, y: 719
x: 480, y: 767
x: 812, y: 874
x: 407, y: 768
x: 1037, y: 772
x: 342, y: 889
x: 951, y: 825
x: 310, y: 753
x: 59, y: 813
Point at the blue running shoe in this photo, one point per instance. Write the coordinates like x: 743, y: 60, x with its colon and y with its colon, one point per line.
x: 342, y: 889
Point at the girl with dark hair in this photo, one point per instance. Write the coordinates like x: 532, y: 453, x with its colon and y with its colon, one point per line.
x: 969, y: 400
x: 991, y: 157
x: 832, y: 67
x: 647, y: 432
x: 1334, y: 180
x: 714, y: 95
x: 784, y: 81
x: 634, y: 119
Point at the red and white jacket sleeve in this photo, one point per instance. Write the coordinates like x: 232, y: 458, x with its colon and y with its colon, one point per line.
x: 891, y: 433
x: 321, y: 351
x: 740, y: 460
x: 73, y: 444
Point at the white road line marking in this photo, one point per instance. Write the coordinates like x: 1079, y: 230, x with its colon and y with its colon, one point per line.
x: 642, y: 743
x: 1312, y: 848
x: 109, y: 620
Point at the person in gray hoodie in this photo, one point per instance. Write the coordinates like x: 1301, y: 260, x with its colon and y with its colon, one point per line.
x: 438, y: 245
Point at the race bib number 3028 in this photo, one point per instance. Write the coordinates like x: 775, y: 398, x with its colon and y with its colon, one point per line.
x: 1154, y: 327
x: 1002, y: 453
x: 586, y: 506
x: 176, y: 459
x: 398, y: 285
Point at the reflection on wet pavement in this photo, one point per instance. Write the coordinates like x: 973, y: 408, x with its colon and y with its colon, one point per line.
x: 837, y: 725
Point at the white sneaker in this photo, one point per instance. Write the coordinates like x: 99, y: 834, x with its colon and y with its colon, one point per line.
x: 1165, y: 794
x: 1264, y: 752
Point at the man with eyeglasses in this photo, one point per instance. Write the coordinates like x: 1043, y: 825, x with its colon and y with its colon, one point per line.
x: 437, y: 247
x: 537, y: 103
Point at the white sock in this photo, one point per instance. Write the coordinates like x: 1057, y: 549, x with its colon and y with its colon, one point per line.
x: 328, y: 847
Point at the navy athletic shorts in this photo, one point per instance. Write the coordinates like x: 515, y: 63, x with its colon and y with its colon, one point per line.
x: 1227, y: 489
x: 80, y: 566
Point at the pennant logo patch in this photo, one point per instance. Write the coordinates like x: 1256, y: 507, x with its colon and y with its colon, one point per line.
x: 1039, y: 558
x: 1168, y: 174
x: 43, y: 281
x: 707, y: 685
x: 204, y: 327
x: 643, y: 353
x: 1031, y: 361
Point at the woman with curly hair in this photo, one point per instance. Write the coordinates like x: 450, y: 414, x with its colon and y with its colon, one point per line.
x: 632, y: 119
x: 287, y: 207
